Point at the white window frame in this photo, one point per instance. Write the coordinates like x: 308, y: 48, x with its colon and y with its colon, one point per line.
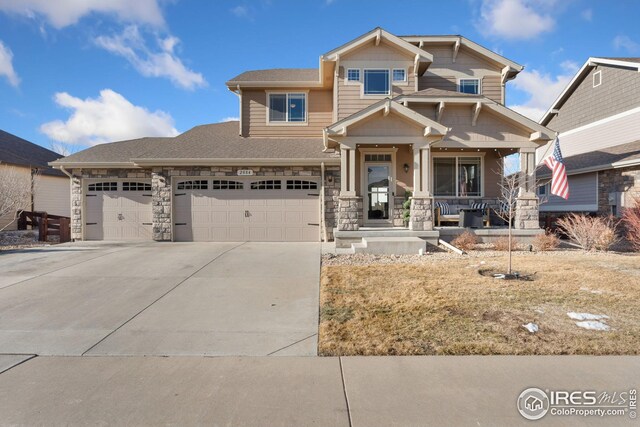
x: 456, y: 156
x: 599, y: 74
x: 376, y: 95
x: 353, y: 82
x: 479, y: 80
x: 400, y: 82
x: 287, y: 93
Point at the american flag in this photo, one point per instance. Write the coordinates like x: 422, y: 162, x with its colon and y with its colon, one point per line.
x: 559, y: 182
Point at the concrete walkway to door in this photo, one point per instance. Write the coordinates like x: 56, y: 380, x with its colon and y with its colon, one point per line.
x: 161, y: 299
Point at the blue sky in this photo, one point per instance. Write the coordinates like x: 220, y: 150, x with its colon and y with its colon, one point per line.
x: 75, y: 73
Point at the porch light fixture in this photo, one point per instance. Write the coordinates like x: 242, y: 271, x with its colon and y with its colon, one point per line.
x: 406, y: 168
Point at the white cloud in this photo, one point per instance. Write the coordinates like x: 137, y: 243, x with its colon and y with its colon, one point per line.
x: 542, y: 89
x: 163, y: 63
x: 110, y: 117
x: 587, y: 15
x: 6, y: 65
x: 515, y: 19
x: 230, y: 119
x: 240, y: 11
x: 62, y: 13
x: 626, y: 43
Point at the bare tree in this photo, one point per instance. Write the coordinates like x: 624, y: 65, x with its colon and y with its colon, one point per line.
x: 508, y: 187
x: 16, y: 188
x: 64, y: 148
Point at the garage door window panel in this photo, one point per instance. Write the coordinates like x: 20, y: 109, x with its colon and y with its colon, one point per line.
x: 136, y: 186
x: 226, y: 185
x: 266, y: 185
x: 193, y: 185
x: 103, y: 186
x: 296, y: 184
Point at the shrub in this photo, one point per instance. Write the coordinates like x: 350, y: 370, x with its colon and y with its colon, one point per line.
x: 590, y: 233
x: 546, y: 242
x: 502, y: 243
x: 631, y: 220
x: 465, y: 241
x: 406, y: 208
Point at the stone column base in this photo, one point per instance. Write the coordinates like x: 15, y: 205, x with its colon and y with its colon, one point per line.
x: 161, y: 201
x: 527, y: 213
x: 350, y: 213
x: 421, y: 218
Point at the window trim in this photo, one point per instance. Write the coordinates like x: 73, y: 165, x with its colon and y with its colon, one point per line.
x: 287, y: 93
x: 599, y: 74
x: 376, y: 95
x: 353, y: 82
x: 400, y: 82
x: 478, y: 79
x: 456, y: 156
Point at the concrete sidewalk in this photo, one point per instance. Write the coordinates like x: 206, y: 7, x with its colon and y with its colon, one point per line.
x: 299, y: 391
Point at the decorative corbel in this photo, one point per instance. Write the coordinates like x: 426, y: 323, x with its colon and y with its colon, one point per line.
x: 440, y: 111
x: 456, y: 48
x: 378, y: 36
x: 476, y: 112
x: 387, y: 107
x: 415, y: 64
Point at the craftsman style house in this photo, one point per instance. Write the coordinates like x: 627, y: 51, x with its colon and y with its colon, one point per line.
x: 323, y: 153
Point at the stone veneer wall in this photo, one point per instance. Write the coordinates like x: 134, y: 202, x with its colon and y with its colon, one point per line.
x: 624, y: 180
x: 161, y: 187
x: 397, y: 216
x: 350, y: 214
x: 421, y: 214
x: 527, y: 213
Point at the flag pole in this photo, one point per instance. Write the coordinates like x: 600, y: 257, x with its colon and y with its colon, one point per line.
x: 547, y: 150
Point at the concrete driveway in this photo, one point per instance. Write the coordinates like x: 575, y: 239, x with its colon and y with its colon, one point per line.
x: 161, y: 299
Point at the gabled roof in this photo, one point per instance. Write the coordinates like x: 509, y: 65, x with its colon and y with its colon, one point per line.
x: 513, y: 68
x: 630, y: 63
x: 17, y: 151
x: 622, y: 155
x: 217, y: 143
x: 277, y: 75
x: 431, y: 127
x: 378, y: 34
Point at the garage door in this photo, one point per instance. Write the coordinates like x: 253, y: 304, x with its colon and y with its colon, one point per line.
x: 117, y: 210
x: 257, y: 210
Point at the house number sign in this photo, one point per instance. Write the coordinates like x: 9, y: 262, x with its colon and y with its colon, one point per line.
x: 245, y: 172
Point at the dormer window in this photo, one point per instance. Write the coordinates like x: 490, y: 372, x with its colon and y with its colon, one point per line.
x: 376, y: 82
x: 287, y: 107
x: 399, y: 75
x: 471, y: 86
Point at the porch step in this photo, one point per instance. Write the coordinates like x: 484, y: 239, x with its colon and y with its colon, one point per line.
x: 390, y: 245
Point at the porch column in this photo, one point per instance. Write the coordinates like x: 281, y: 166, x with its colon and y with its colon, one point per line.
x: 421, y: 213
x: 350, y: 209
x: 527, y: 206
x: 161, y: 197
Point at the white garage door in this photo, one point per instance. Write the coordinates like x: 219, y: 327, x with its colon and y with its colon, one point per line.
x: 117, y: 210
x: 256, y: 210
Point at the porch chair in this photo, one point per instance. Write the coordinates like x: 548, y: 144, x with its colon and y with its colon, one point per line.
x: 443, y: 213
x: 486, y: 214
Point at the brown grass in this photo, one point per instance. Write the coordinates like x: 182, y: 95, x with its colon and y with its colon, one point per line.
x: 466, y: 241
x: 446, y: 307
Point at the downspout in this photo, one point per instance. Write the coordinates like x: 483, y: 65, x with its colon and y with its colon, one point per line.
x: 323, y: 232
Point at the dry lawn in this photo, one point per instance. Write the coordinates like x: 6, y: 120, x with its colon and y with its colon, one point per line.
x: 446, y: 307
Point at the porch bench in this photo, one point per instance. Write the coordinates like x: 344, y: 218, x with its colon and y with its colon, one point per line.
x: 444, y: 213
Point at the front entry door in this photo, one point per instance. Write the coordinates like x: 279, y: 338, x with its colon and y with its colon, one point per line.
x: 379, y: 197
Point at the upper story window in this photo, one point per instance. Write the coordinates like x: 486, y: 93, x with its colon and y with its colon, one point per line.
x: 353, y: 75
x: 376, y: 82
x: 469, y: 86
x: 287, y: 107
x: 399, y: 75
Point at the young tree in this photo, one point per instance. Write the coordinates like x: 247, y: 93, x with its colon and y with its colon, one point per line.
x: 16, y: 186
x: 508, y: 187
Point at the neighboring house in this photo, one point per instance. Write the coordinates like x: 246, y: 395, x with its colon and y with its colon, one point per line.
x: 598, y: 120
x: 50, y: 190
x: 323, y: 151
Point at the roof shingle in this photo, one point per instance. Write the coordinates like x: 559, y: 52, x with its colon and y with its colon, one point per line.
x: 18, y: 151
x: 279, y: 75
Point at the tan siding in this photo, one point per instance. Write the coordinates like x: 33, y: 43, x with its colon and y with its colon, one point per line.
x: 619, y: 91
x: 319, y: 106
x: 489, y: 127
x: 492, y: 88
x: 492, y: 169
x: 437, y: 82
x: 391, y: 125
x: 52, y: 195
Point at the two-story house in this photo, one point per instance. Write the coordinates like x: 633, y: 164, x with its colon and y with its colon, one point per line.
x: 598, y: 118
x: 324, y: 153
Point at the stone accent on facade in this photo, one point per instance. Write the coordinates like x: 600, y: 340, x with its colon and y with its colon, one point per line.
x: 624, y: 180
x: 350, y: 213
x: 76, y: 207
x: 161, y: 205
x: 421, y: 214
x: 331, y: 196
x: 398, y: 211
x: 527, y: 213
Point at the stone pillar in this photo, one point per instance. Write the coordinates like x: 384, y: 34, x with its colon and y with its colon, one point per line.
x: 76, y: 207
x: 421, y: 218
x: 350, y: 213
x: 527, y: 213
x: 161, y: 202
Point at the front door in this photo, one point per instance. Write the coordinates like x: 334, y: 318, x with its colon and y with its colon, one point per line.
x: 378, y: 193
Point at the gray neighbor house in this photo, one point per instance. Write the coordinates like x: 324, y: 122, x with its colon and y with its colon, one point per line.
x: 598, y: 120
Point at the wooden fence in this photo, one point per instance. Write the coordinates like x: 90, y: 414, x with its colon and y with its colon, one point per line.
x: 47, y: 225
